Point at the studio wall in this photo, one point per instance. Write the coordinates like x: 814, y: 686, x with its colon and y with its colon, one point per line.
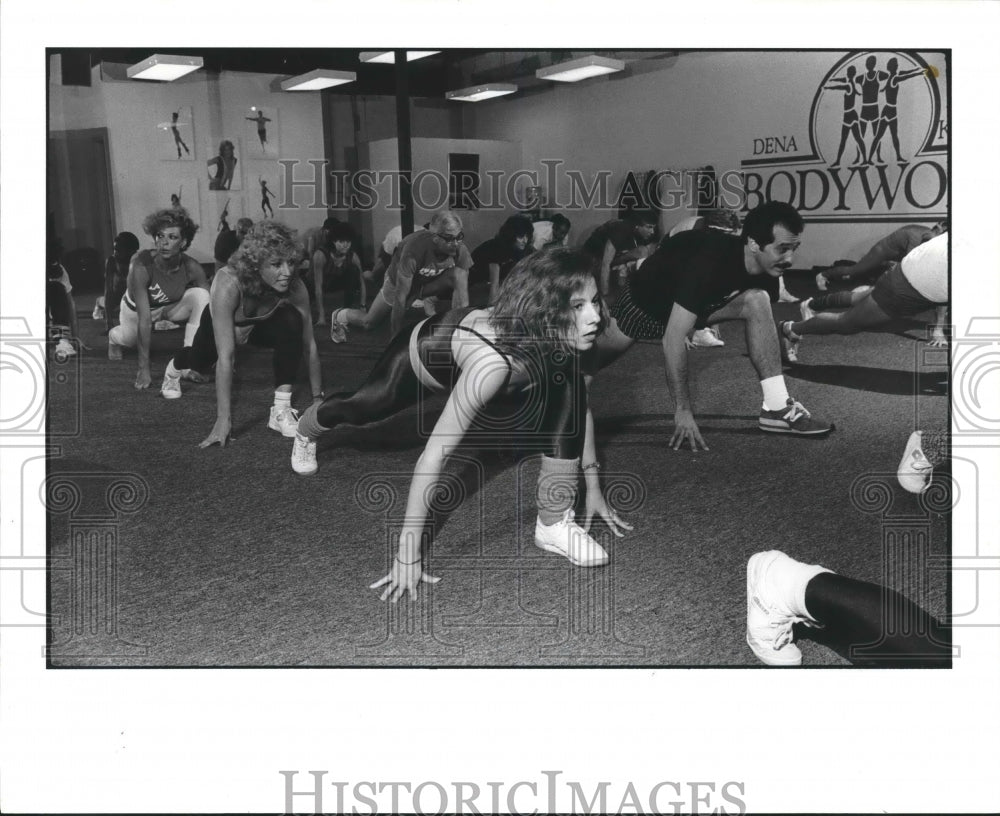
x: 145, y: 173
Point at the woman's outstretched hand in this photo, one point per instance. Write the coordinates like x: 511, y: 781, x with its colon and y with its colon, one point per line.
x: 596, y: 505
x: 403, y: 578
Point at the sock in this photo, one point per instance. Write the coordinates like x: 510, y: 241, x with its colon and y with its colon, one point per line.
x: 172, y: 371
x: 835, y: 300
x: 556, y: 491
x: 309, y: 426
x: 282, y: 399
x: 789, y: 579
x: 775, y: 393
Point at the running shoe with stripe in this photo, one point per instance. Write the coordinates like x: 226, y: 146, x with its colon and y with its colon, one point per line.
x: 792, y: 419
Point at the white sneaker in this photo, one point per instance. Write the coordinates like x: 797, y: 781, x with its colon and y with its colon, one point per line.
x: 914, y: 472
x: 285, y: 420
x: 705, y: 338
x: 303, y: 456
x: 165, y: 325
x: 64, y: 349
x: 171, y: 388
x: 569, y: 539
x: 789, y: 342
x: 338, y: 330
x: 769, y: 621
x: 98, y: 313
x: 805, y: 309
x: 821, y: 282
x: 784, y: 296
x: 114, y: 351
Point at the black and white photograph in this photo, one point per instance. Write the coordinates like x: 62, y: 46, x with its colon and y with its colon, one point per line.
x: 647, y: 393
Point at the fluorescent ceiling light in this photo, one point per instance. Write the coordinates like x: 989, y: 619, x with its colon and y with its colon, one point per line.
x: 163, y: 67
x: 480, y: 92
x: 583, y: 68
x: 389, y: 57
x: 318, y: 80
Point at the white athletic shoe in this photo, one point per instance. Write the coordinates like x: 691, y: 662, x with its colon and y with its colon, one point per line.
x: 789, y: 342
x: 569, y: 539
x: 338, y: 330
x: 114, y: 351
x: 63, y: 350
x: 165, y: 325
x: 805, y: 309
x: 821, y: 282
x: 784, y: 296
x: 303, y: 456
x: 171, y: 388
x: 914, y: 472
x: 769, y: 620
x: 284, y: 420
x: 98, y: 313
x: 705, y: 338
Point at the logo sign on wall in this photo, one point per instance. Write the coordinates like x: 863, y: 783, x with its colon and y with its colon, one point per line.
x: 877, y: 146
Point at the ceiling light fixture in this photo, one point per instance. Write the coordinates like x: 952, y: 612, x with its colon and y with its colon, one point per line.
x: 163, y: 67
x: 318, y: 80
x: 478, y: 93
x: 583, y: 68
x: 389, y: 57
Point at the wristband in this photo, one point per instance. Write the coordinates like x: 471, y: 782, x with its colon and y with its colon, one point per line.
x: 594, y: 465
x: 408, y: 563
x: 320, y: 395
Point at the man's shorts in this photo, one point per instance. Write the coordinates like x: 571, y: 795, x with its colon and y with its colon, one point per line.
x: 638, y: 325
x: 895, y: 296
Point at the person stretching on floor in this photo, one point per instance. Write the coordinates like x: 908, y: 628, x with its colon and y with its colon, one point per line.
x: 875, y: 626
x: 163, y: 284
x: 919, y: 283
x: 522, y: 354
x: 698, y: 279
x: 426, y: 263
x: 257, y: 298
x: 893, y: 247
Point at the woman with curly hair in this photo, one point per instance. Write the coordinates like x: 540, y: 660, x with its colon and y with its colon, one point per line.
x: 163, y: 284
x: 515, y: 368
x: 257, y: 298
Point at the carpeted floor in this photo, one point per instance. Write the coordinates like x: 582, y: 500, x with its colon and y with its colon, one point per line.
x: 163, y: 554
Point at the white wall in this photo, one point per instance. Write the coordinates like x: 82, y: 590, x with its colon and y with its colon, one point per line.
x: 142, y: 181
x: 684, y: 112
x: 432, y: 155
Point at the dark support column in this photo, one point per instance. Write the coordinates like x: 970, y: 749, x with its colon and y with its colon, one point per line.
x: 403, y: 138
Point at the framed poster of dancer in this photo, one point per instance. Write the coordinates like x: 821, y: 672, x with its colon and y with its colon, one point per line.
x: 267, y: 199
x: 224, y: 171
x: 175, y: 134
x: 260, y: 132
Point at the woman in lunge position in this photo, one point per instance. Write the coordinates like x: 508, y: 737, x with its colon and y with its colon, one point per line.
x: 256, y: 298
x: 524, y: 352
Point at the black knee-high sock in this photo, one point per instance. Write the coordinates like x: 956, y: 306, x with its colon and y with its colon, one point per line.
x: 833, y: 300
x: 879, y: 626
